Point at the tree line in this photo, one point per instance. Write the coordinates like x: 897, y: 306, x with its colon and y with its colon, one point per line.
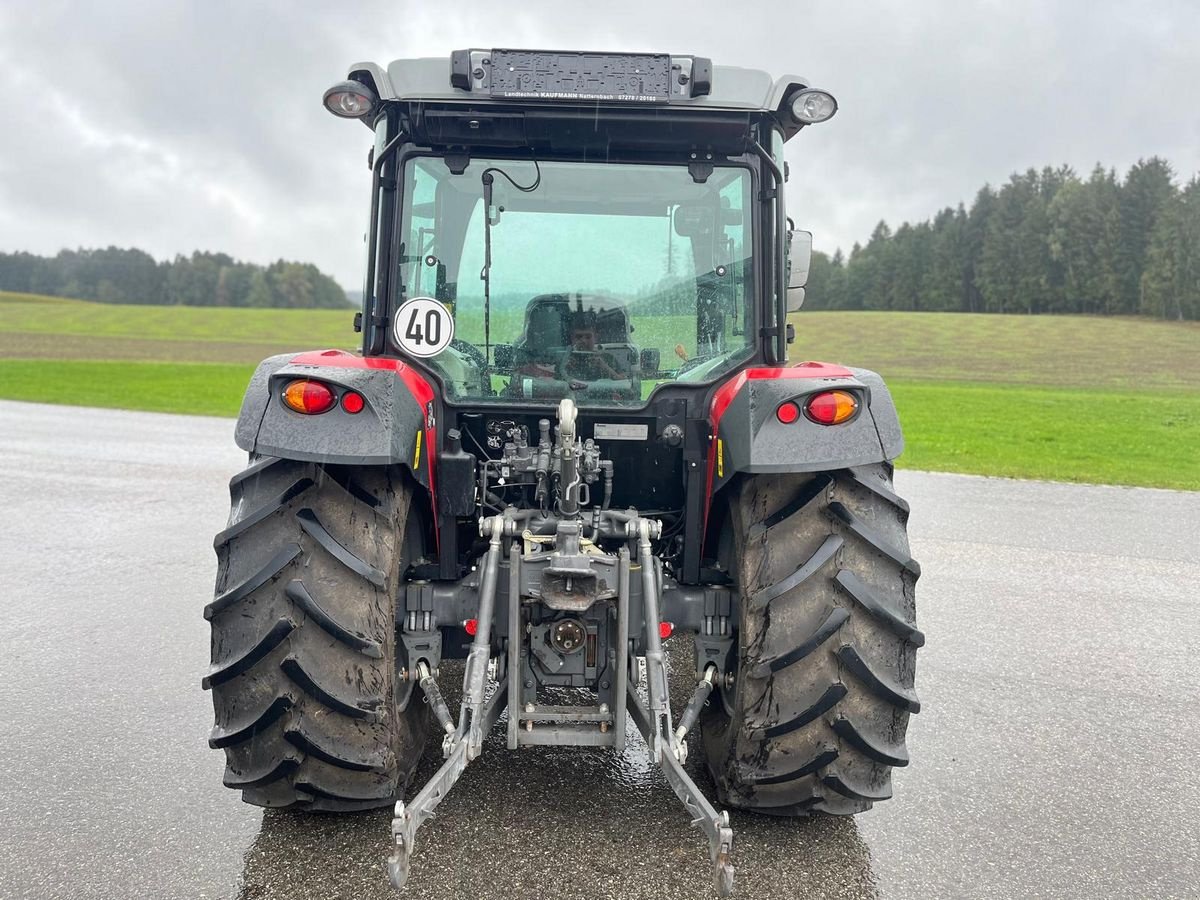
x: 115, y: 275
x: 1045, y: 242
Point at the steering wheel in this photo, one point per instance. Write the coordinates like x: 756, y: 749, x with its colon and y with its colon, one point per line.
x: 478, y: 361
x: 466, y: 348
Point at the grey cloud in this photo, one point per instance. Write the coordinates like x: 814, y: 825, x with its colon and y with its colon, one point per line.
x: 182, y: 126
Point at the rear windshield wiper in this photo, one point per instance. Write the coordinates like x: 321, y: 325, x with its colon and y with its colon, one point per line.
x: 485, y: 274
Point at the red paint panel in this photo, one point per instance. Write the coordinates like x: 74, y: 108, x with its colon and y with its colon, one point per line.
x: 420, y: 389
x: 726, y: 392
x: 417, y: 386
x: 801, y: 370
x: 729, y: 390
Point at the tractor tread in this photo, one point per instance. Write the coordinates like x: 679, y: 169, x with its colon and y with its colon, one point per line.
x: 827, y: 701
x: 318, y: 532
x: 824, y: 758
x: 810, y: 492
x: 837, y: 617
x: 875, y: 683
x: 887, y: 756
x: 300, y: 595
x: 878, y: 487
x: 836, y: 783
x: 272, y: 506
x: 278, y: 795
x: 227, y: 671
x: 792, y: 810
x: 357, y: 491
x: 874, y: 604
x: 256, y: 468
x: 326, y: 805
x: 275, y: 770
x: 274, y: 566
x: 302, y: 739
x: 840, y: 512
x: 311, y: 784
x: 804, y: 571
x: 292, y: 666
x: 235, y: 734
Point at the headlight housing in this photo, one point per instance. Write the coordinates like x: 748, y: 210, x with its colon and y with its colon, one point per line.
x: 350, y: 100
x: 810, y: 106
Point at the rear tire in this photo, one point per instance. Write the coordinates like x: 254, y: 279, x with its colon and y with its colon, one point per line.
x: 823, y: 689
x: 308, y: 708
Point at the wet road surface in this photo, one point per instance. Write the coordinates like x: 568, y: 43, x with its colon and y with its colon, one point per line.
x: 1054, y: 756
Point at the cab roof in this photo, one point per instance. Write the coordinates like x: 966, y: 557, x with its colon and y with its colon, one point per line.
x: 678, y: 82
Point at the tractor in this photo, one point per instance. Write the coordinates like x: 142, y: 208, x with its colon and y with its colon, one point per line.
x: 571, y: 433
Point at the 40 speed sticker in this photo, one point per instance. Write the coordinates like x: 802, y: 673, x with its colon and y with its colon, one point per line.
x: 423, y: 327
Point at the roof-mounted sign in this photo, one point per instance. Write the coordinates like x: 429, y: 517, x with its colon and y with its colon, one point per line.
x: 534, y: 75
x: 573, y: 76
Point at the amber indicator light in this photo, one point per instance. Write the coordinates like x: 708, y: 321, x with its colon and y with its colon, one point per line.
x: 831, y: 407
x: 308, y: 397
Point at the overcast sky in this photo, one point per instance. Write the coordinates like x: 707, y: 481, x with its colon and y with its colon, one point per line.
x: 173, y: 127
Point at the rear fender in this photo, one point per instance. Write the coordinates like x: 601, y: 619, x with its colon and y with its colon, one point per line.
x: 748, y: 437
x: 397, y: 425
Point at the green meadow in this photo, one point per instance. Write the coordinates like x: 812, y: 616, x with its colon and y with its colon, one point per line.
x: 1067, y: 398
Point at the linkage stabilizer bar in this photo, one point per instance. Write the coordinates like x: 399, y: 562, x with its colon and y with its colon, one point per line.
x: 409, y: 817
x: 654, y: 723
x: 477, y: 714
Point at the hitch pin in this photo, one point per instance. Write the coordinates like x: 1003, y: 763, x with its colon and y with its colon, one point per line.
x: 692, y: 713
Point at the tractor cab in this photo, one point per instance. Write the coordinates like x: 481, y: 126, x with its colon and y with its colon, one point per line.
x: 653, y: 181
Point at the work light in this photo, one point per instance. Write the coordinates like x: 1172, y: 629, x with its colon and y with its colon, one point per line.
x: 350, y: 100
x: 812, y: 106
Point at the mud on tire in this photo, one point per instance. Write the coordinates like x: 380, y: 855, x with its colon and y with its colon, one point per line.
x: 303, y: 676
x: 824, y: 684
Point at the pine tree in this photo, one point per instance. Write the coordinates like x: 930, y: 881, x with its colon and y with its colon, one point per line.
x: 974, y: 239
x: 1147, y: 189
x: 1170, y: 285
x: 858, y: 275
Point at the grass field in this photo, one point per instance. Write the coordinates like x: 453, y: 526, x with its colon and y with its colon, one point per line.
x: 1062, y: 398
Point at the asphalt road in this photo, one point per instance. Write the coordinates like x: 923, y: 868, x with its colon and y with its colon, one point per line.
x: 1055, y: 755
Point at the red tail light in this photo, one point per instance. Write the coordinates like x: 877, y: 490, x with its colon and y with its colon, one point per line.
x: 471, y: 626
x: 352, y: 402
x: 831, y: 407
x: 308, y: 397
x: 665, y: 630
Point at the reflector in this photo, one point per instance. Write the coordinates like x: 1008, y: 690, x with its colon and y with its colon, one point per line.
x: 352, y: 402
x: 665, y: 630
x: 788, y: 412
